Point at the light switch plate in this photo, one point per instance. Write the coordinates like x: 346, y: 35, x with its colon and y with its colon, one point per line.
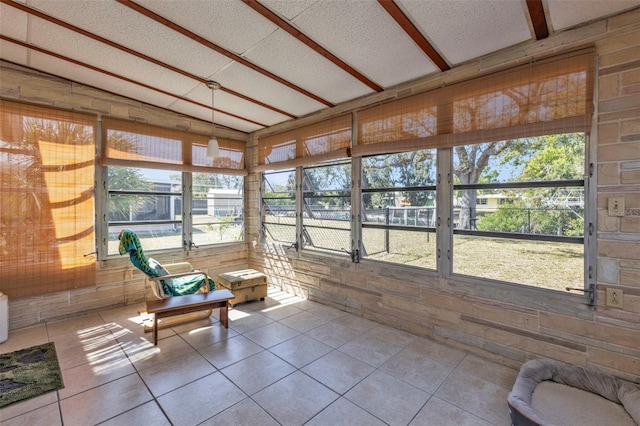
x: 616, y: 206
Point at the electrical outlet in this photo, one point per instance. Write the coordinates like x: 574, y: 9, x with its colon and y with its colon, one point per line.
x: 616, y: 206
x: 614, y: 297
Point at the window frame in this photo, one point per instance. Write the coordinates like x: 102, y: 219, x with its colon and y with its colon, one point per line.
x: 185, y: 166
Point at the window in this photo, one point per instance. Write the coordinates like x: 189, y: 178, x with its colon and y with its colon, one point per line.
x: 46, y: 199
x: 535, y: 235
x: 160, y: 184
x: 326, y: 210
x: 279, y: 207
x: 147, y: 201
x: 217, y: 208
x: 399, y: 208
x: 483, y: 178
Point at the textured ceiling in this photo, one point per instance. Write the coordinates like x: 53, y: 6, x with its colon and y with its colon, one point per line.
x: 275, y: 59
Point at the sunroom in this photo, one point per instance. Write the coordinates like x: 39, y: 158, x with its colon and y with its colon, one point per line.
x: 436, y: 193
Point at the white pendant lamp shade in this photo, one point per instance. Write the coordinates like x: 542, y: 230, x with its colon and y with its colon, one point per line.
x: 213, y: 149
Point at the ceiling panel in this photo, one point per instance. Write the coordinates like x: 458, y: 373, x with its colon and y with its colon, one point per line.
x: 266, y: 51
x: 13, y: 22
x: 234, y: 105
x: 286, y: 56
x: 82, y: 75
x: 465, y: 29
x: 135, y: 31
x: 14, y: 53
x: 268, y: 91
x: 221, y: 118
x: 288, y: 9
x: 569, y: 13
x: 55, y: 38
x: 363, y: 35
x: 229, y: 23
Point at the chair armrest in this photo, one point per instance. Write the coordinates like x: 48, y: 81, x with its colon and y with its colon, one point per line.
x: 186, y: 266
x: 179, y: 274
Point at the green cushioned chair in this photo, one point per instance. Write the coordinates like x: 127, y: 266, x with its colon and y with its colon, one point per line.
x: 170, y: 280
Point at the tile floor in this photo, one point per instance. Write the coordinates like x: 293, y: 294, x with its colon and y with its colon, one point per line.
x: 282, y: 361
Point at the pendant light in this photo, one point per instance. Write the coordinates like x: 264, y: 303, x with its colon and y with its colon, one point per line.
x: 213, y: 150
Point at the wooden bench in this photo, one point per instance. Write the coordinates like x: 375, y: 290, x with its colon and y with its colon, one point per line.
x: 176, y: 305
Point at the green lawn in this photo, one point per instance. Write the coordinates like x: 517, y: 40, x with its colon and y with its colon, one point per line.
x: 535, y: 263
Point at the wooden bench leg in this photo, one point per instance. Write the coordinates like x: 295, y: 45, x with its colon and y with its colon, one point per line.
x: 224, y: 314
x: 155, y: 329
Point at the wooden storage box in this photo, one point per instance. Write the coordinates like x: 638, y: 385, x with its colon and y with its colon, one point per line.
x: 246, y: 285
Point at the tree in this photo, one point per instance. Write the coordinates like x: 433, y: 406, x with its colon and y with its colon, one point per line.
x: 555, y: 210
x: 500, y: 108
x: 124, y: 207
x: 472, y: 160
x: 402, y: 170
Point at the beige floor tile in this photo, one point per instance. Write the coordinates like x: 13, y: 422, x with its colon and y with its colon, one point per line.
x: 207, y: 335
x: 29, y: 405
x: 173, y: 373
x: 144, y: 354
x: 417, y: 369
x: 245, y: 413
x: 247, y: 321
x: 104, y: 402
x: 388, y: 398
x: 232, y: 350
x: 493, y: 372
x: 88, y: 337
x: 257, y: 372
x: 73, y: 350
x: 443, y: 354
x: 104, y: 369
x: 477, y: 396
x: 75, y: 324
x: 279, y: 312
x: 370, y: 349
x: 333, y: 334
x: 136, y: 333
x: 301, y: 350
x: 271, y: 334
x: 146, y: 414
x: 200, y: 400
x: 256, y: 305
x: 124, y: 314
x: 439, y: 412
x: 338, y: 371
x: 192, y: 325
x: 49, y: 415
x: 386, y: 375
x: 295, y: 399
x: 327, y: 312
x: 344, y: 413
x: 355, y: 322
x: 391, y: 335
x: 304, y: 321
x: 25, y: 338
